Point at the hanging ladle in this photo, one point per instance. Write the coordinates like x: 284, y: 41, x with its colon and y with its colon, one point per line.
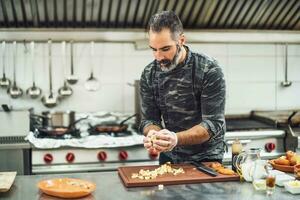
x: 34, y: 91
x: 4, y: 82
x: 65, y: 90
x: 50, y: 100
x: 72, y: 79
x: 92, y: 84
x: 286, y: 82
x: 14, y: 91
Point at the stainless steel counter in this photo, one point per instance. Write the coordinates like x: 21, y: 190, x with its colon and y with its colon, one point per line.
x: 109, y: 186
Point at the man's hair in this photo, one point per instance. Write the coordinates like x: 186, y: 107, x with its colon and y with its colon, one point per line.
x: 166, y: 20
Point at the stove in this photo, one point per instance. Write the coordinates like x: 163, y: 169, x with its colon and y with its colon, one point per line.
x: 86, y: 149
x: 255, y: 131
x: 288, y: 120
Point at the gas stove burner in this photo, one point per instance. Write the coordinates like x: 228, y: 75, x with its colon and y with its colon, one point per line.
x: 57, y: 133
x: 94, y: 130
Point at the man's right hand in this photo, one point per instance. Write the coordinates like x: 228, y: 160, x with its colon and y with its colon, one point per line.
x: 148, y: 143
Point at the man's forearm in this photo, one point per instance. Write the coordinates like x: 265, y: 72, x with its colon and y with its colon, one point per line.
x: 150, y: 127
x: 195, y: 135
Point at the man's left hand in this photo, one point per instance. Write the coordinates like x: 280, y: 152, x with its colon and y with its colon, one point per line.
x: 165, y: 140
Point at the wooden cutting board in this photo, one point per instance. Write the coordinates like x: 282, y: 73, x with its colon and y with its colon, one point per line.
x: 191, y: 175
x: 6, y: 180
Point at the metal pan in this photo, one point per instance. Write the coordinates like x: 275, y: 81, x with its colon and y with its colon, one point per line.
x: 111, y: 127
x: 61, y: 130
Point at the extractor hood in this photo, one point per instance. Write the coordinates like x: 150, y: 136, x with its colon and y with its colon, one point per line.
x: 134, y: 14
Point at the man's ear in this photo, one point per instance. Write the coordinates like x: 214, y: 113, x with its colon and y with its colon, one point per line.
x: 182, y: 39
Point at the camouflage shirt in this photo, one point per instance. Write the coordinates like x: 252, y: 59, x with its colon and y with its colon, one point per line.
x: 192, y: 93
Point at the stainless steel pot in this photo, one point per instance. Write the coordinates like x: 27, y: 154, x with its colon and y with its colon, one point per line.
x: 58, y: 119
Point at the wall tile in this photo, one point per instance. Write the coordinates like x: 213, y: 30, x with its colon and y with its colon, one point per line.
x: 109, y: 49
x: 129, y: 50
x: 288, y: 97
x: 251, y: 50
x: 250, y: 96
x: 111, y: 69
x: 241, y: 68
x: 134, y: 66
x: 210, y: 49
x: 294, y: 50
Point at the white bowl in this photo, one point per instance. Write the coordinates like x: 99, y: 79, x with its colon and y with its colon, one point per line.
x: 281, y: 178
x: 292, y: 186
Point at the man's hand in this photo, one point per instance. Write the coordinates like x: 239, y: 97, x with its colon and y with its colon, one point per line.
x: 165, y: 140
x: 148, y: 140
x: 160, y: 141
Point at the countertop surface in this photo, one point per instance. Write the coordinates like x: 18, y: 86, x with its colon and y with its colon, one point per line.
x: 110, y: 186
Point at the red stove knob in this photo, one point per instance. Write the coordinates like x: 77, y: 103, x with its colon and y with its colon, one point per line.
x: 270, y: 146
x: 102, y: 155
x: 70, y: 157
x: 48, y: 158
x: 123, y: 155
x: 153, y: 154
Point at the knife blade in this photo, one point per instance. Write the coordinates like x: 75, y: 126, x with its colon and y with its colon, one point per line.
x: 201, y: 167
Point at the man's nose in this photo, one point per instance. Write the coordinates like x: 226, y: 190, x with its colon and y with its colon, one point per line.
x: 158, y: 55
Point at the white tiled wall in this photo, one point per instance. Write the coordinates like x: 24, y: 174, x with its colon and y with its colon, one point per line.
x: 253, y: 73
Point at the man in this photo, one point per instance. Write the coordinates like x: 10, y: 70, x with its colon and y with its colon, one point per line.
x: 182, y: 97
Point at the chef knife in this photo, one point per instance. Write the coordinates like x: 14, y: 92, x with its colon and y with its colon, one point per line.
x: 201, y: 167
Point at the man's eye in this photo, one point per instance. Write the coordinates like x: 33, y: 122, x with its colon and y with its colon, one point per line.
x: 165, y: 49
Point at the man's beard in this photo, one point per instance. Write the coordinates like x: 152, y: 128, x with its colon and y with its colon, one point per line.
x: 167, y: 65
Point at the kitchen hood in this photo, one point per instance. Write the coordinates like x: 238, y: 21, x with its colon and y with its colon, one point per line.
x: 134, y: 14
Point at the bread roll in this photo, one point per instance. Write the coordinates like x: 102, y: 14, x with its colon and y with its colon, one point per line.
x: 293, y: 160
x: 225, y: 171
x: 216, y: 165
x: 281, y: 161
x: 289, y: 154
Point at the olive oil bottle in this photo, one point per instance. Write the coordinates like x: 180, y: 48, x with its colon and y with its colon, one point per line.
x: 236, y: 148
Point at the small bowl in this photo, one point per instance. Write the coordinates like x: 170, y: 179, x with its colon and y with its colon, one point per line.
x: 282, y: 178
x: 292, y: 187
x: 259, y: 184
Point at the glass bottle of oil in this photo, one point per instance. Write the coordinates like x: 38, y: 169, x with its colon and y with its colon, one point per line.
x: 236, y: 149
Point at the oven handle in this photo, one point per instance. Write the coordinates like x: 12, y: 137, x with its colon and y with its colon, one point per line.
x: 241, y: 141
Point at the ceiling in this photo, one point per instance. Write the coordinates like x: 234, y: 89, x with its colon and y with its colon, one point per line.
x: 134, y: 14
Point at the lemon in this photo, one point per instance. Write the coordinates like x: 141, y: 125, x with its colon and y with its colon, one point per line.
x: 294, y: 183
x: 259, y: 184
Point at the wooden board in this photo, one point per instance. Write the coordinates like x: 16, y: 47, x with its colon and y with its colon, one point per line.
x: 6, y: 180
x: 191, y: 175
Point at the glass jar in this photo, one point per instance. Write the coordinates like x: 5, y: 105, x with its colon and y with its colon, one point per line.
x: 250, y: 166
